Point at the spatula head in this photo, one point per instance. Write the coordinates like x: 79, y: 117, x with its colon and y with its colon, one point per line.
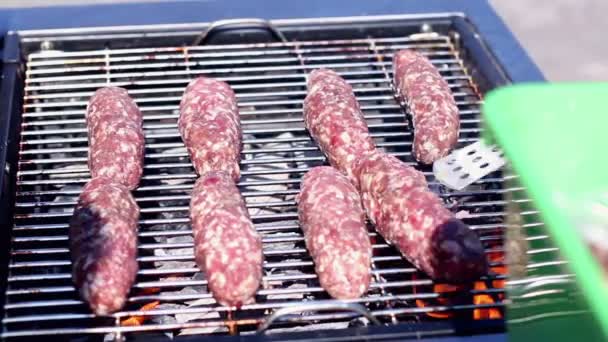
x: 467, y: 165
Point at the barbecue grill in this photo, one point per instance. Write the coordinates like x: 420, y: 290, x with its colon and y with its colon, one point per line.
x: 49, y: 76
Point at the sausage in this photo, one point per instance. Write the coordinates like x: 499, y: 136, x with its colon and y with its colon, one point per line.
x: 103, y: 244
x: 431, y: 103
x: 395, y: 196
x: 103, y: 227
x: 333, y: 222
x: 384, y: 174
x: 116, y: 138
x: 412, y: 218
x: 226, y: 245
x: 334, y: 119
x: 210, y: 126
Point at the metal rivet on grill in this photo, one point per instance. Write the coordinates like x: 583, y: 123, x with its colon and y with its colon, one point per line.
x: 46, y: 45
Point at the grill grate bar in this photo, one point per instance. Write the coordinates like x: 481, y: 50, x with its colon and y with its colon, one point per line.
x: 195, y: 73
x: 143, y: 101
x: 259, y: 47
x: 150, y: 127
x: 172, y: 108
x: 279, y: 78
x: 362, y: 98
x: 261, y: 292
x: 245, y: 122
x: 189, y: 245
x: 159, y: 53
x: 258, y: 228
x: 376, y: 135
x: 173, y: 284
x: 267, y: 265
x: 185, y: 209
x: 258, y: 193
x: 244, y: 162
x: 216, y: 63
x: 249, y: 205
x: 265, y: 86
x: 169, y: 327
x: 174, y: 134
x: 270, y: 277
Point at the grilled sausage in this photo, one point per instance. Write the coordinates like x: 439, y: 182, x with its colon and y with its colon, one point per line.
x: 431, y: 103
x: 210, y: 127
x: 395, y: 196
x: 333, y: 118
x: 226, y: 245
x: 414, y: 220
x: 116, y: 138
x: 103, y: 244
x: 333, y: 221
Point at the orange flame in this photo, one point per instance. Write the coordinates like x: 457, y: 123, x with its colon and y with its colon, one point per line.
x: 440, y: 289
x: 139, y: 320
x: 490, y: 313
x: 498, y: 257
x: 479, y: 299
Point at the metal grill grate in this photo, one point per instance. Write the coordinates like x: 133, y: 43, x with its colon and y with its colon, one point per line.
x: 270, y: 86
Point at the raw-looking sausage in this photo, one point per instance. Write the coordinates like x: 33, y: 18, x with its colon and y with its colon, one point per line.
x: 226, y: 245
x: 334, y: 120
x: 395, y: 196
x: 116, y: 138
x: 333, y: 221
x: 431, y: 103
x: 103, y: 244
x: 210, y: 126
x: 103, y: 227
x: 414, y: 219
x: 389, y: 175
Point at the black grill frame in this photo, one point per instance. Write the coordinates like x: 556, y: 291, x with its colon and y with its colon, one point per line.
x: 489, y: 74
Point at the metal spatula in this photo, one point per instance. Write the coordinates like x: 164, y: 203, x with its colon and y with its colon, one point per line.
x: 467, y: 165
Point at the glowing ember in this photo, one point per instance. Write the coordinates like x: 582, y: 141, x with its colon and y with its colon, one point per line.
x: 139, y: 320
x: 148, y: 291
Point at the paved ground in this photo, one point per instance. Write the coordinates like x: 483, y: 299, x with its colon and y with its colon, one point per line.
x: 566, y: 38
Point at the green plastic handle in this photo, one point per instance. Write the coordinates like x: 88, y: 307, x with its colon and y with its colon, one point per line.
x: 556, y: 139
